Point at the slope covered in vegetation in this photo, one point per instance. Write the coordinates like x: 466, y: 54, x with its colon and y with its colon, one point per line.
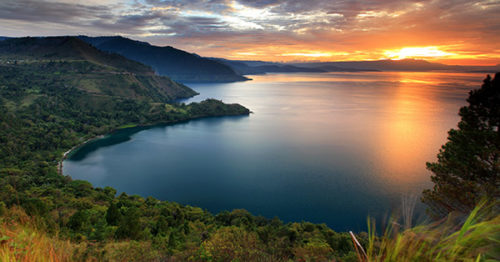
x: 79, y: 65
x: 167, y: 61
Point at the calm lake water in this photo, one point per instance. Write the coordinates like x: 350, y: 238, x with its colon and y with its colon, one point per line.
x: 328, y: 148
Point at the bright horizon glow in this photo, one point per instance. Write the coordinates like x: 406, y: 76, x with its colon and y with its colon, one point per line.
x: 445, y: 54
x: 308, y: 54
x: 417, y: 52
x: 441, y: 54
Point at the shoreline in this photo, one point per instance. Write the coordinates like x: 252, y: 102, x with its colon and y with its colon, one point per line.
x: 97, y: 137
x: 65, y: 154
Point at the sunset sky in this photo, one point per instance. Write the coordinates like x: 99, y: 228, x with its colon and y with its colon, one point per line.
x: 448, y: 31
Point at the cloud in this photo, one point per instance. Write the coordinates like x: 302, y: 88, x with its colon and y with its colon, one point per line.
x: 261, y: 3
x: 229, y: 27
x: 45, y: 11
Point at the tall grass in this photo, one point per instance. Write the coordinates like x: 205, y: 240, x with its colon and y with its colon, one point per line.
x: 408, y: 203
x: 475, y: 237
x: 20, y: 240
x: 23, y: 239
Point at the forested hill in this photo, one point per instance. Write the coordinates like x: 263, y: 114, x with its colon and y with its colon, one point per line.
x: 88, y: 69
x: 67, y: 48
x: 167, y: 61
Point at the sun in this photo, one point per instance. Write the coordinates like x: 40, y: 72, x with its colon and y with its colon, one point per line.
x: 417, y: 52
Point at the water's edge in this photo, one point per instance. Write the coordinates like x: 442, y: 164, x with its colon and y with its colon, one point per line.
x: 138, y: 128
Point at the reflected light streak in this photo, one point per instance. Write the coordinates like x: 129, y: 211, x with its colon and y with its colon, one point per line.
x: 405, y: 132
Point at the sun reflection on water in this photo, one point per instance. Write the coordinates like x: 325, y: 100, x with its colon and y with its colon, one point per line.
x: 407, y: 139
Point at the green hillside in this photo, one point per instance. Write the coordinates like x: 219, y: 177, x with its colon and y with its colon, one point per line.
x: 68, y: 49
x: 168, y: 61
x: 86, y: 68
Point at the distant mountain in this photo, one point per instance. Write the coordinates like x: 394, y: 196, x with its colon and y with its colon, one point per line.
x: 287, y: 68
x: 262, y: 67
x: 397, y: 65
x: 81, y: 65
x: 167, y: 61
x: 3, y: 38
x: 239, y: 67
x: 383, y: 65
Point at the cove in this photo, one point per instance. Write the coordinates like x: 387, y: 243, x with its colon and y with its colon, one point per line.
x: 328, y: 148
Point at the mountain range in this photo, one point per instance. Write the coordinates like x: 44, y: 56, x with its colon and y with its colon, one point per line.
x: 188, y: 67
x: 245, y: 67
x: 261, y: 67
x: 177, y: 64
x: 416, y: 65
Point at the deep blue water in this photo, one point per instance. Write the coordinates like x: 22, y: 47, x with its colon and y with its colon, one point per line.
x: 326, y: 148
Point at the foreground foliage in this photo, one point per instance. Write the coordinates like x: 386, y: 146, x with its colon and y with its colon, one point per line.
x: 456, y: 238
x: 20, y: 241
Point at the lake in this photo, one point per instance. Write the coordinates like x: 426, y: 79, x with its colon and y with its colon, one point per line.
x: 328, y: 148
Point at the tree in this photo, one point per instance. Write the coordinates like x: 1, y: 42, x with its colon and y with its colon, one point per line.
x: 130, y: 226
x: 468, y: 165
x: 79, y: 220
x: 113, y: 215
